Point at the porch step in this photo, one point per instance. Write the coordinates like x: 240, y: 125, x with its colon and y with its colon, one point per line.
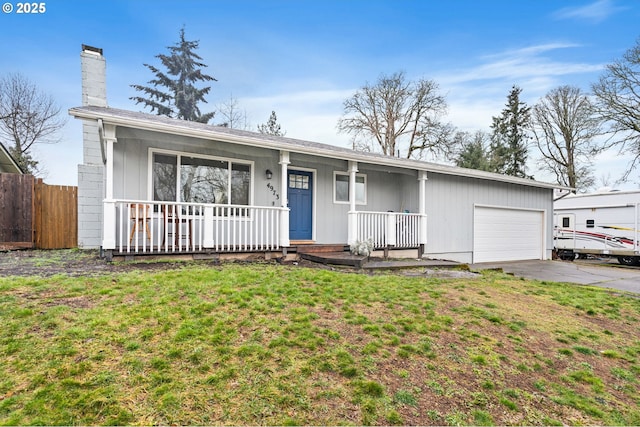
x: 335, y: 258
x: 409, y: 263
x: 314, y: 249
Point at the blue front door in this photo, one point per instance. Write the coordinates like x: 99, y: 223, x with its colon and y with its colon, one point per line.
x: 300, y: 195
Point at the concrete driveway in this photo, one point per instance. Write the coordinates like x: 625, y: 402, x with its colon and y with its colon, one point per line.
x: 584, y: 273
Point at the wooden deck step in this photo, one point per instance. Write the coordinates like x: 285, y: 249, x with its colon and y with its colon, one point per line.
x: 313, y: 249
x: 335, y: 258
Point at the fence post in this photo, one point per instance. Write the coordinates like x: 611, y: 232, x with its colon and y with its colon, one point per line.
x: 37, y: 213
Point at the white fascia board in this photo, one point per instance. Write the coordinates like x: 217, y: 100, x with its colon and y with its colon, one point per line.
x: 8, y: 161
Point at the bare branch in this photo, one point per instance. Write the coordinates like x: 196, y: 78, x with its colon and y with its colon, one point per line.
x: 396, y: 114
x: 617, y: 102
x: 564, y: 127
x: 27, y: 117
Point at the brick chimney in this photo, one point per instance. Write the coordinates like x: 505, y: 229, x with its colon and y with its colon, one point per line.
x: 91, y: 175
x: 94, y: 77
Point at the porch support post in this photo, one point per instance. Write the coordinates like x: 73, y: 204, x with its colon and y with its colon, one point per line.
x: 392, y: 232
x: 109, y: 216
x: 284, y: 213
x: 422, y: 205
x: 208, y: 240
x: 353, y: 214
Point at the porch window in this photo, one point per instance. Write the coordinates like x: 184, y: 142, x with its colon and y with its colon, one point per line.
x: 203, y: 180
x: 164, y: 177
x: 341, y: 188
x: 187, y: 178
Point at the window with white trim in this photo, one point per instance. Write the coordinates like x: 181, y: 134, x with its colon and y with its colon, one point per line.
x: 341, y: 188
x: 191, y: 178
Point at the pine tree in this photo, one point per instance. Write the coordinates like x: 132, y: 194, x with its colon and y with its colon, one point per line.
x: 271, y: 127
x: 510, y: 137
x: 473, y: 152
x: 173, y: 93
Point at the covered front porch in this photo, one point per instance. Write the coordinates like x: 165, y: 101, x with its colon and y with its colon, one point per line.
x: 143, y: 227
x: 211, y: 198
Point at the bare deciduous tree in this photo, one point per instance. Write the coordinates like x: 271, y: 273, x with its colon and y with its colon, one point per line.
x: 397, y: 114
x: 617, y: 99
x: 564, y: 127
x: 232, y: 116
x: 27, y: 117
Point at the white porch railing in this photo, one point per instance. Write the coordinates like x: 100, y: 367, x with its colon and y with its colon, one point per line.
x: 391, y: 229
x: 171, y: 227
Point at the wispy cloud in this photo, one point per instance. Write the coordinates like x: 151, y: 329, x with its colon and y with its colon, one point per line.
x: 477, y: 93
x: 533, y: 62
x: 594, y: 12
x: 474, y: 94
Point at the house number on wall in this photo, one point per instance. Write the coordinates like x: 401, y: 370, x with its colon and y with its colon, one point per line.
x: 273, y: 190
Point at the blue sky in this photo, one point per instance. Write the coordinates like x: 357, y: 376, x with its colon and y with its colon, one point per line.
x: 304, y: 58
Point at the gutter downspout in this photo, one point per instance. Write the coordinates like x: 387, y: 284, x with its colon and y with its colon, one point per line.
x: 352, y: 215
x: 101, y: 136
x: 422, y: 205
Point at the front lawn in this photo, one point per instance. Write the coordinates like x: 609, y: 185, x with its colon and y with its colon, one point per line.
x: 265, y: 344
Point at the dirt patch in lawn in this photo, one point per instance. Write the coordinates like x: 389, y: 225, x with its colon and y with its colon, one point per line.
x: 73, y: 262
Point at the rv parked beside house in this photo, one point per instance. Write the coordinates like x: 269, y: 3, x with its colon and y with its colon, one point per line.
x: 150, y: 184
x: 603, y: 223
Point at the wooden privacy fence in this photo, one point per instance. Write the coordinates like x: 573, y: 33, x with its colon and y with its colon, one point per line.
x: 36, y: 215
x: 16, y: 210
x: 55, y: 216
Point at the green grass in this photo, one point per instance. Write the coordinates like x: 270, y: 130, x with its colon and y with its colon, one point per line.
x: 267, y: 344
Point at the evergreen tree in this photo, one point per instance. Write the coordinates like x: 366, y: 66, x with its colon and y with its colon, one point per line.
x: 174, y: 93
x: 271, y: 127
x: 473, y: 151
x: 510, y: 137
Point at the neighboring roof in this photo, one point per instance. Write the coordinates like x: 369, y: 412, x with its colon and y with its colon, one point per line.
x: 7, y: 162
x: 158, y: 123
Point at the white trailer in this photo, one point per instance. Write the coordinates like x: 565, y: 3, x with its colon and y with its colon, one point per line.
x: 603, y: 223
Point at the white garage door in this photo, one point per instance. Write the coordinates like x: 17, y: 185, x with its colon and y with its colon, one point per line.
x: 501, y: 234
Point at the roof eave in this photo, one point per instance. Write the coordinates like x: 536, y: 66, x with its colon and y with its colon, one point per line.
x: 175, y: 128
x: 11, y: 162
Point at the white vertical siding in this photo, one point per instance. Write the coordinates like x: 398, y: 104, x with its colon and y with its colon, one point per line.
x: 450, y: 207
